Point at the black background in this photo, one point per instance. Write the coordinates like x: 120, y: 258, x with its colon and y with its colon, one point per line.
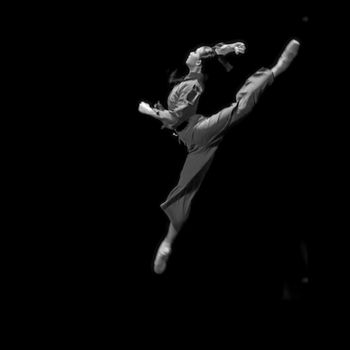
x: 108, y: 167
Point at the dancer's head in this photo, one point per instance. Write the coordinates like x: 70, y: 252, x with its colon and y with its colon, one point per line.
x: 202, y: 60
x: 197, y: 59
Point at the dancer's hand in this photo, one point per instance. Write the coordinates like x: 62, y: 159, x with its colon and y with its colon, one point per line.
x: 237, y: 48
x: 145, y: 108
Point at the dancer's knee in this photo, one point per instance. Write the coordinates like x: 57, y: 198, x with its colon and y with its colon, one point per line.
x: 246, y: 102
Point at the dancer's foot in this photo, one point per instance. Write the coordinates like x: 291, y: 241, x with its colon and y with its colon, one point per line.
x: 163, y: 253
x: 286, y: 58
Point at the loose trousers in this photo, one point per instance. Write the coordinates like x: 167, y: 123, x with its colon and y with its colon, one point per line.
x: 202, y: 137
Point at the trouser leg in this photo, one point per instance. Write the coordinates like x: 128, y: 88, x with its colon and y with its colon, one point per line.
x: 171, y: 235
x: 209, y: 129
x: 178, y: 204
x: 204, y: 137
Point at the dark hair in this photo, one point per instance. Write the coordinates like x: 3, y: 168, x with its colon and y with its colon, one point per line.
x: 209, y: 64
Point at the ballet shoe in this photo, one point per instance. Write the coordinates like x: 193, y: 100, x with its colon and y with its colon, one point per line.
x: 162, y: 257
x: 288, y: 55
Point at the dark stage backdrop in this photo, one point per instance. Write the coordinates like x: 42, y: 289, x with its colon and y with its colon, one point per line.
x: 115, y: 166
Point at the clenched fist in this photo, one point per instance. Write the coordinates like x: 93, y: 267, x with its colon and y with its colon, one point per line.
x: 237, y: 48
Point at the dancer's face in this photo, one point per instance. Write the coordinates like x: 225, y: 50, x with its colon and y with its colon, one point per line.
x: 194, y: 58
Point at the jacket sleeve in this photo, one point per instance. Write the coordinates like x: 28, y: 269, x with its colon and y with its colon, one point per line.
x: 222, y: 59
x: 189, y: 95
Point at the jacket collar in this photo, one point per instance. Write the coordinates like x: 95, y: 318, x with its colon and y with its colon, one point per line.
x: 194, y: 76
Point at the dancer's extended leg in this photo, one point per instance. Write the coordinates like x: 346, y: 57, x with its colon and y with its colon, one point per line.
x: 211, y: 129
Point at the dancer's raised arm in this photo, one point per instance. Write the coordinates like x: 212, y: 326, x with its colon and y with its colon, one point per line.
x: 223, y: 49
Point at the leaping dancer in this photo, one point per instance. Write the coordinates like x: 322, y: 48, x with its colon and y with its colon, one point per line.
x: 200, y: 134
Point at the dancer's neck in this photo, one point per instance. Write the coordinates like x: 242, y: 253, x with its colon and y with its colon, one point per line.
x: 196, y: 69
